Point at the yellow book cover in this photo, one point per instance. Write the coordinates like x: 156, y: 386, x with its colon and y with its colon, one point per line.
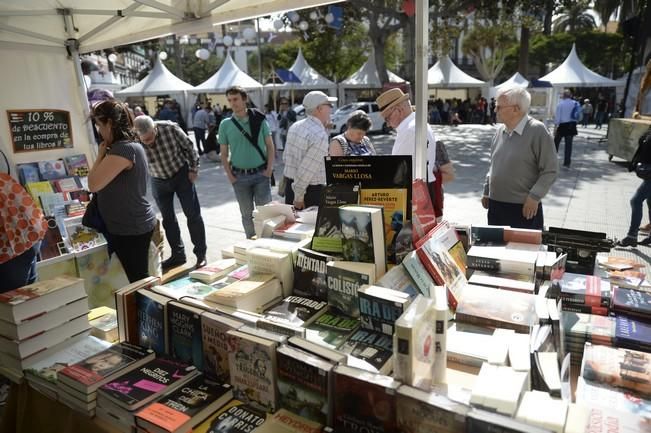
x: 36, y: 189
x: 394, y: 202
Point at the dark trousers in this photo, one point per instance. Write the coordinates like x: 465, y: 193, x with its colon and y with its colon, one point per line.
x: 200, y: 139
x: 163, y: 191
x: 642, y: 194
x: 567, y: 160
x: 312, y: 194
x: 510, y: 214
x: 19, y: 271
x: 133, y: 252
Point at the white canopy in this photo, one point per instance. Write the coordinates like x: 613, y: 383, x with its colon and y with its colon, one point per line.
x: 573, y: 73
x: 445, y: 74
x: 367, y: 77
x: 310, y: 78
x: 516, y: 80
x: 160, y: 81
x: 227, y: 76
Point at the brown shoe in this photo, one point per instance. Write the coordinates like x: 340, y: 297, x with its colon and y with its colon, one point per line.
x: 646, y: 228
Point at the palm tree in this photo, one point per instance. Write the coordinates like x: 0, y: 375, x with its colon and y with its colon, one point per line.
x: 605, y: 9
x: 574, y: 17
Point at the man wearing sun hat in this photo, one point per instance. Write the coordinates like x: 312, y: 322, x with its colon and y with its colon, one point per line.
x: 306, y: 146
x: 396, y: 110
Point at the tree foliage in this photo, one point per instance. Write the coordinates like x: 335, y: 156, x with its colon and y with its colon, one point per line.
x: 194, y: 71
x: 487, y: 43
x: 574, y: 17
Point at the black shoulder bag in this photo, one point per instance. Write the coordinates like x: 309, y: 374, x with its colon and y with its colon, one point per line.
x: 248, y: 136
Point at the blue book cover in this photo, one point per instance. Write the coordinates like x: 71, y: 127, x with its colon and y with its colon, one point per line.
x: 152, y: 320
x: 632, y: 333
x: 28, y: 172
x: 184, y: 331
x: 51, y: 170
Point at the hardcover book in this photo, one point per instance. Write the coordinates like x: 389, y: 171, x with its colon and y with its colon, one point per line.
x: 253, y: 370
x: 443, y: 269
x: 214, y: 329
x: 184, y: 408
x: 380, y: 308
x: 50, y: 170
x: 585, y: 289
x: 344, y: 279
x: 305, y: 384
x: 184, y: 333
x: 632, y: 302
x: 623, y: 368
x: 214, y: 271
x: 327, y: 232
x: 632, y: 333
x: 127, y: 309
x: 363, y: 236
x: 310, y: 274
x: 89, y: 374
x: 421, y: 411
x: 394, y: 202
x: 296, y: 311
x: 331, y: 329
x: 152, y: 320
x: 28, y: 172
x: 142, y: 385
x: 495, y: 308
x: 234, y: 417
x: 374, y: 348
x: 364, y: 402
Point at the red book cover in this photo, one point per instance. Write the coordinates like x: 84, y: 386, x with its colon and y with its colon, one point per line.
x: 423, y: 215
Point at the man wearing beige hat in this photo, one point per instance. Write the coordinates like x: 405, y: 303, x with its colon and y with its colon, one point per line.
x: 306, y: 146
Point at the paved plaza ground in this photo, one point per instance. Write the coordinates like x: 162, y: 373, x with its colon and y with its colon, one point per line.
x: 592, y: 195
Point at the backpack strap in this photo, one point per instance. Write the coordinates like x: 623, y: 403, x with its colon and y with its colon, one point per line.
x: 248, y: 136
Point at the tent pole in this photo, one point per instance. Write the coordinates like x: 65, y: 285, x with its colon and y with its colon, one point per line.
x: 420, y: 158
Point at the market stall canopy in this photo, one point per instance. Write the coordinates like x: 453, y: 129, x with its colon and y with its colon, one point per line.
x: 516, y: 80
x: 445, y: 74
x: 573, y: 73
x: 160, y: 81
x: 227, y: 76
x: 99, y: 25
x: 310, y: 78
x: 280, y: 76
x: 367, y: 77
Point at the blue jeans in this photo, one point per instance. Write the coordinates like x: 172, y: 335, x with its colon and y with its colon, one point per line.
x: 567, y: 160
x: 200, y: 139
x: 643, y: 193
x: 249, y: 188
x: 19, y: 271
x: 163, y: 191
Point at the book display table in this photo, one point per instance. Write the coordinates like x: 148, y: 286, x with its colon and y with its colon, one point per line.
x: 623, y: 135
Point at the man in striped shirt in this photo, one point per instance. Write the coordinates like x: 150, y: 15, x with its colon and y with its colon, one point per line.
x: 174, y: 168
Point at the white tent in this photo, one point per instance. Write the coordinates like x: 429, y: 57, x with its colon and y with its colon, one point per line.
x: 573, y: 73
x: 516, y: 80
x: 229, y: 75
x: 159, y: 81
x: 310, y: 78
x: 445, y: 74
x: 367, y: 77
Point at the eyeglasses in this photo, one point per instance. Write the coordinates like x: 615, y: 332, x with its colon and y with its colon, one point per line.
x: 390, y: 113
x: 499, y: 107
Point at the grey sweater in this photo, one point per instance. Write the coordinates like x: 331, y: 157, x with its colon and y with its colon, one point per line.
x: 521, y: 165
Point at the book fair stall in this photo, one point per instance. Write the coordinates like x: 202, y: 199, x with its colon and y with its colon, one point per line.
x: 365, y: 315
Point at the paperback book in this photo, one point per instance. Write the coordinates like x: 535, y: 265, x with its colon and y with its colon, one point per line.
x: 184, y: 333
x: 310, y: 274
x: 363, y: 236
x: 234, y: 417
x: 344, y: 280
x: 380, y: 308
x: 394, y: 203
x: 331, y: 329
x: 623, y: 368
x: 374, y: 348
x: 215, y: 339
x: 328, y: 230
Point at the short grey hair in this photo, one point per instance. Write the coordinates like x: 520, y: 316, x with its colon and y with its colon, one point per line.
x: 516, y: 96
x: 143, y: 124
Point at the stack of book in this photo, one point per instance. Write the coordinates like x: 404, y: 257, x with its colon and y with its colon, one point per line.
x: 585, y: 294
x: 78, y: 383
x: 579, y: 328
x: 40, y: 319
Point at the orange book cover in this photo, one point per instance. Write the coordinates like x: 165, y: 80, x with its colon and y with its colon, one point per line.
x: 163, y: 416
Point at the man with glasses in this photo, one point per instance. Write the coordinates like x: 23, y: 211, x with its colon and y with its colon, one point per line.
x: 307, y: 145
x: 174, y: 169
x: 523, y: 164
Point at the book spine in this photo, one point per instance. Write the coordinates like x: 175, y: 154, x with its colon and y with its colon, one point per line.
x: 402, y: 367
x: 490, y: 323
x: 429, y: 266
x: 441, y: 343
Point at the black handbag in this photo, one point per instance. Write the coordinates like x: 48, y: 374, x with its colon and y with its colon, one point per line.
x: 643, y: 171
x: 92, y: 217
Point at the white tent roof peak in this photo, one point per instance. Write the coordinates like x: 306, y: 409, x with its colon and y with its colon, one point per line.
x: 159, y: 81
x: 367, y: 76
x: 446, y: 74
x: 516, y: 80
x: 310, y: 78
x: 228, y: 75
x: 573, y: 73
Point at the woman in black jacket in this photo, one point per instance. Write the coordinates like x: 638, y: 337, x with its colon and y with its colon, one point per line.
x: 643, y: 193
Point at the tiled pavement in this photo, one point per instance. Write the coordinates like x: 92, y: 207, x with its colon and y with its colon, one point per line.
x: 592, y: 195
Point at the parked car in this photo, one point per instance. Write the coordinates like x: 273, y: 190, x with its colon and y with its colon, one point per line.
x: 340, y: 117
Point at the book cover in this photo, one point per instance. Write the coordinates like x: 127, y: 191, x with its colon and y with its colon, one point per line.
x: 623, y: 368
x: 632, y: 302
x: 380, y: 308
x: 331, y: 329
x: 585, y: 289
x: 152, y: 320
x: 604, y: 396
x: 76, y: 165
x: 397, y: 278
x: 67, y: 184
x: 52, y: 244
x: 443, y: 269
x: 363, y: 236
x: 184, y: 333
x: 253, y: 370
x: 342, y: 288
x: 495, y: 308
x: 214, y: 271
x: 420, y: 411
x: 588, y: 327
x: 304, y: 384
x: 50, y: 170
x: 50, y: 201
x: 285, y: 421
x: 394, y: 202
x: 185, y: 287
x: 365, y: 401
x: 280, y: 264
x: 327, y: 232
x: 373, y: 347
x: 606, y: 420
x: 512, y: 258
x: 418, y: 273
x: 140, y: 386
x: 632, y: 333
x: 186, y: 407
x: 234, y: 417
x: 257, y: 289
x: 424, y: 218
x: 310, y: 274
x: 90, y: 373
x: 105, y: 326
x: 36, y: 189
x: 296, y: 311
x: 487, y: 235
x: 215, y: 339
x: 28, y: 172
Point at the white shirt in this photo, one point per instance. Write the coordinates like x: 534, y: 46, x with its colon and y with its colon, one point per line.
x: 306, y: 146
x: 272, y: 120
x: 405, y: 144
